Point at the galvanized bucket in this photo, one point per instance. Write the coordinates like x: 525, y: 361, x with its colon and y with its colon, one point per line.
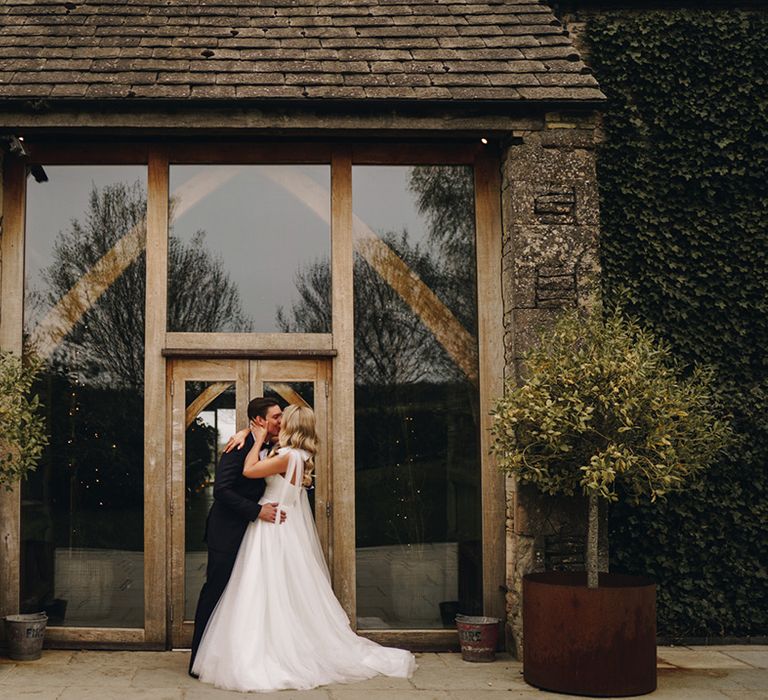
x: 25, y: 635
x: 478, y: 637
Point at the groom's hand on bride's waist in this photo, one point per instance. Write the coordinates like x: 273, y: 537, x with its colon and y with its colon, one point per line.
x: 268, y: 513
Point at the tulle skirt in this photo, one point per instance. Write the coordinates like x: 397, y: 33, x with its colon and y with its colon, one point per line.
x: 278, y: 624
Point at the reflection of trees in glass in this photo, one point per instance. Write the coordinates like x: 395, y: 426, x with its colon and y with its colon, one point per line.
x: 312, y: 312
x: 392, y: 345
x: 91, y: 474
x: 200, y: 293
x: 107, y: 346
x: 199, y: 456
x: 446, y: 197
x: 415, y: 428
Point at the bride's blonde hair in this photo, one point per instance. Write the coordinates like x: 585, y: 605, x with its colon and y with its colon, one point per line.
x: 297, y: 430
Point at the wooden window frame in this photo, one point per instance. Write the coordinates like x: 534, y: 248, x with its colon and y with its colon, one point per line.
x: 341, y: 156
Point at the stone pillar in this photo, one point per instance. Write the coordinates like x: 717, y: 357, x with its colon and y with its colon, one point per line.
x: 550, y: 261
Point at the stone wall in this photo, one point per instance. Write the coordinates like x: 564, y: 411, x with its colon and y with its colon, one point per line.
x: 550, y: 261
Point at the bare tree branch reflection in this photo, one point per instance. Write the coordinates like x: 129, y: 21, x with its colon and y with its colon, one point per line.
x: 397, y: 338
x: 392, y: 344
x: 107, y: 344
x: 445, y: 195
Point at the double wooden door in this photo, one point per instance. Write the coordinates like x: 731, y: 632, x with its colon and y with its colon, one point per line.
x: 208, y: 401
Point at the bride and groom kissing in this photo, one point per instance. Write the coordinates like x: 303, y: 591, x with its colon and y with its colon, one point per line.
x: 267, y: 617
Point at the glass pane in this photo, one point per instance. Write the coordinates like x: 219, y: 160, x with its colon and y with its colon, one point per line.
x: 208, y: 427
x: 417, y: 467
x: 82, y: 510
x: 246, y: 245
x: 290, y: 392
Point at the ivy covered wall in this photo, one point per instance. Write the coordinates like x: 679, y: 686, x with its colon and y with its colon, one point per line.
x: 683, y: 177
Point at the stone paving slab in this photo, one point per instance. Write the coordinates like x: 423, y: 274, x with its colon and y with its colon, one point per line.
x: 97, y: 693
x: 684, y: 657
x: 685, y: 673
x: 207, y: 692
x: 758, y: 659
x: 39, y: 693
x: 354, y: 694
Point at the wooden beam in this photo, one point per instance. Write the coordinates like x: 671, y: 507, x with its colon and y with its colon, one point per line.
x: 251, y: 342
x: 12, y: 250
x: 245, y: 153
x: 87, y: 152
x: 394, y: 153
x: 176, y: 512
x: 323, y: 463
x: 276, y: 354
x: 155, y: 521
x: 117, y: 636
x: 491, y: 370
x: 415, y: 640
x: 13, y: 208
x: 172, y: 458
x: 342, y: 549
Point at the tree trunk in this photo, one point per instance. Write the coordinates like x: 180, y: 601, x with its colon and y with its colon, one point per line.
x: 592, y: 540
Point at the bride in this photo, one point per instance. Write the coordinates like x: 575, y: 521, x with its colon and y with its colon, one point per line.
x: 278, y: 624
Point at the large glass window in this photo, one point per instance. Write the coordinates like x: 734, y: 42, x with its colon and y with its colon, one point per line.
x: 82, y: 510
x: 245, y: 243
x: 417, y: 462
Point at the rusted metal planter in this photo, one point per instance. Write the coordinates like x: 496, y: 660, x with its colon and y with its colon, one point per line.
x: 599, y: 642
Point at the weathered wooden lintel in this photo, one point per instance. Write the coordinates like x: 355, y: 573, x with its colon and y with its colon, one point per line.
x: 235, y: 354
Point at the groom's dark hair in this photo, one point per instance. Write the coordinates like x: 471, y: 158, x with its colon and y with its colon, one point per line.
x: 259, y: 407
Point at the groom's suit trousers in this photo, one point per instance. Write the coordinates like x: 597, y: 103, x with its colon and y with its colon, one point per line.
x: 217, y: 573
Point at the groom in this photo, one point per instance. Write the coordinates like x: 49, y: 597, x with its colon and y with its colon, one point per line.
x: 235, y: 504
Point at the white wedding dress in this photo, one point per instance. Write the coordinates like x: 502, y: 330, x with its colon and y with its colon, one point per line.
x: 278, y: 624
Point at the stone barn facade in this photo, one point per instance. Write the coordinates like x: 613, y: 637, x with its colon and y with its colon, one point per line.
x: 368, y: 207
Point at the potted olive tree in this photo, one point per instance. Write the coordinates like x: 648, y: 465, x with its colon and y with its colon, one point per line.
x: 604, y: 411
x: 22, y: 440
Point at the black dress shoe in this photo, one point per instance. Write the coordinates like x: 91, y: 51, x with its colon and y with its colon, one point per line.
x: 194, y: 675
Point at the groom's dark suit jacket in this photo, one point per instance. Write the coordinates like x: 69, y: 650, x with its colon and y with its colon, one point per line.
x: 235, y: 501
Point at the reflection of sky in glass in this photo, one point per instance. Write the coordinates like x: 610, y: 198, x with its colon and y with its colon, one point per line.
x: 383, y: 201
x: 52, y: 205
x: 262, y: 231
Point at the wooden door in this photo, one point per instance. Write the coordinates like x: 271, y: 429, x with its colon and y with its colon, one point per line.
x: 209, y: 400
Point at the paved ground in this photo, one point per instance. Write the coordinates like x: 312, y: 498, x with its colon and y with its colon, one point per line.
x: 700, y: 673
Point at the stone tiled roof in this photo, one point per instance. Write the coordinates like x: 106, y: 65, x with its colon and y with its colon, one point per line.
x: 498, y: 50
